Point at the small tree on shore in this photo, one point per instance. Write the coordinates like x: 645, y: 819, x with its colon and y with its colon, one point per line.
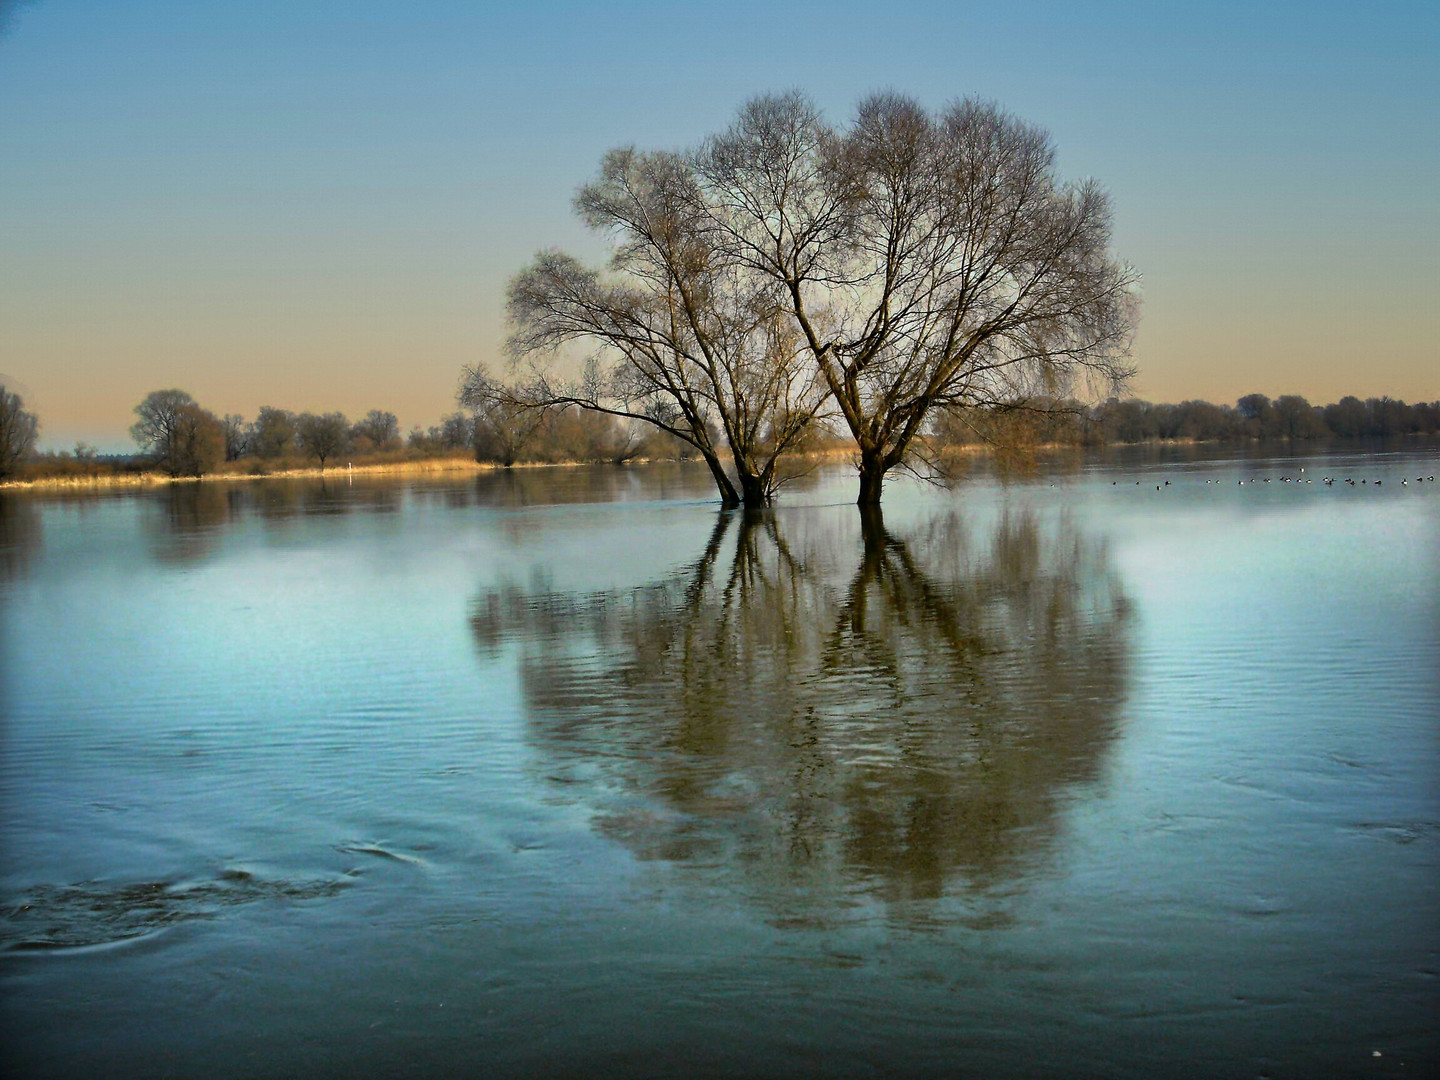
x: 501, y: 426
x: 154, y: 430
x: 237, y: 435
x: 272, y: 435
x: 322, y: 436
x: 199, y: 442
x: 379, y: 430
x: 182, y: 438
x: 18, y: 431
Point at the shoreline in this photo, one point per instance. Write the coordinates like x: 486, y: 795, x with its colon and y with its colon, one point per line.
x: 444, y: 465
x: 159, y: 479
x: 422, y: 466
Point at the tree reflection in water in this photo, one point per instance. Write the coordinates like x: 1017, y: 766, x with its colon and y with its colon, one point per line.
x: 902, y: 729
x: 21, y: 535
x: 189, y: 520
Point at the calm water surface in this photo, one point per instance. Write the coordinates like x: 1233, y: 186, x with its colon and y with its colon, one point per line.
x: 566, y: 772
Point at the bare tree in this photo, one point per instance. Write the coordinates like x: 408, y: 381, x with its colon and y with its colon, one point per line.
x: 503, y: 423
x: 197, y: 442
x: 18, y: 431
x: 1257, y: 413
x: 380, y: 429
x: 183, y: 438
x: 690, y: 339
x: 612, y: 439
x: 237, y: 435
x: 322, y: 436
x: 1296, y: 418
x: 272, y: 435
x: 929, y: 262
x: 456, y: 431
x: 157, y: 431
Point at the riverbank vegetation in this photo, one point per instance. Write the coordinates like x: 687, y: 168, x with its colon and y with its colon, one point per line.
x: 279, y: 442
x: 1254, y: 417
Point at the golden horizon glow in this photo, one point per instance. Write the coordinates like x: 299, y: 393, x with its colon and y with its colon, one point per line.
x: 282, y: 207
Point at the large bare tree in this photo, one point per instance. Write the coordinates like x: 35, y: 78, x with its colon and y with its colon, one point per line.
x: 928, y: 261
x: 688, y: 338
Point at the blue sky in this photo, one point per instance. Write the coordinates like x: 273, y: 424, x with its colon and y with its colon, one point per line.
x: 317, y: 205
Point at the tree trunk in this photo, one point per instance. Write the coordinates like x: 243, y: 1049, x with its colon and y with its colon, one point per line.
x: 872, y: 478
x: 752, y: 492
x: 729, y: 499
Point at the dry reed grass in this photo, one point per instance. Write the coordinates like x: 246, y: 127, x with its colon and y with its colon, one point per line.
x: 155, y: 479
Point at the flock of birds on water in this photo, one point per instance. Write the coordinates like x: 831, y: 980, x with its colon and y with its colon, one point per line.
x: 1329, y: 481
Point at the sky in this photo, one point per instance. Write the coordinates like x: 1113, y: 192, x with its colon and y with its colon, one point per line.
x: 317, y: 205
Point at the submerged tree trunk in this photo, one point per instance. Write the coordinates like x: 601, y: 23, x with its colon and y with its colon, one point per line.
x: 754, y: 491
x: 729, y: 498
x: 872, y: 479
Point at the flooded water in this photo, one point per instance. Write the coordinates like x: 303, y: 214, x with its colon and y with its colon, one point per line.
x: 1128, y: 769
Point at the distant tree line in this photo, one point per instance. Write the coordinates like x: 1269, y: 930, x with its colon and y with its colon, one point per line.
x: 1254, y: 416
x: 178, y: 436
x: 181, y: 438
